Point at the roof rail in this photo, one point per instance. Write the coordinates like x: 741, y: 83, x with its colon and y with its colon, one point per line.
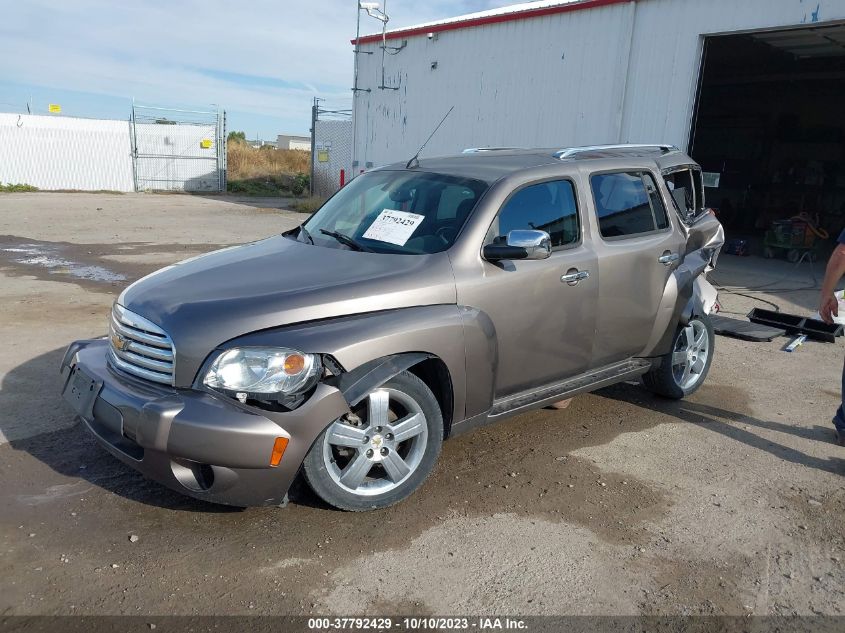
x: 478, y: 150
x: 569, y: 152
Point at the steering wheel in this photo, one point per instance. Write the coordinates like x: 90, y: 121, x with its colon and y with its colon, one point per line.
x: 446, y: 233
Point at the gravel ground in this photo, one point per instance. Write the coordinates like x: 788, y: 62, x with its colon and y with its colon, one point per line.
x: 731, y: 502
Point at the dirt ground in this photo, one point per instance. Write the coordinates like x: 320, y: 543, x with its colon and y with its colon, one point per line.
x: 729, y: 503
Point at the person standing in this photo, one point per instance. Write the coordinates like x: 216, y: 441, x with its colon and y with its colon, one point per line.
x: 829, y: 308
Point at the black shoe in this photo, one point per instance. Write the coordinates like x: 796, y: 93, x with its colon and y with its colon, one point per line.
x: 840, y: 437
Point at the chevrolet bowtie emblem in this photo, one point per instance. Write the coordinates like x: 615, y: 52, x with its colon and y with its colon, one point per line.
x: 119, y: 343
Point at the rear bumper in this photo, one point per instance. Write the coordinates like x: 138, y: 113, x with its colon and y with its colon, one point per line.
x: 209, y: 447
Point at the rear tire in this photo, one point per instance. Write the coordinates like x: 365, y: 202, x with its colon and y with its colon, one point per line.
x: 383, y: 452
x: 683, y: 369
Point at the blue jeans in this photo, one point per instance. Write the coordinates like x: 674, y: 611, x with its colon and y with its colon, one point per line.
x: 839, y: 418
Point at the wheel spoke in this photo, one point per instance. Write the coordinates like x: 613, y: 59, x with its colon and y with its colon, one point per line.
x: 341, y: 434
x: 395, y: 466
x: 701, y: 339
x: 697, y: 366
x: 408, y: 427
x: 377, y: 408
x: 355, y: 471
x: 689, y: 333
x: 679, y: 358
x: 686, y: 376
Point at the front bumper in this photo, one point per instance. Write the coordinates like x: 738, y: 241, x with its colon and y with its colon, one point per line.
x: 209, y: 447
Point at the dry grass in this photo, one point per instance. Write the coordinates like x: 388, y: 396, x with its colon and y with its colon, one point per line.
x: 266, y: 171
x: 247, y: 162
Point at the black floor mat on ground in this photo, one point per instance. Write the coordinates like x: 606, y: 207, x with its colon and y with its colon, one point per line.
x: 744, y: 329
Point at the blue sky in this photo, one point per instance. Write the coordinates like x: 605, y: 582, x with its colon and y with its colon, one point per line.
x: 261, y: 60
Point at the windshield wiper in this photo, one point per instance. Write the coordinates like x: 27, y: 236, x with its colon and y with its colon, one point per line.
x: 347, y: 241
x: 304, y: 231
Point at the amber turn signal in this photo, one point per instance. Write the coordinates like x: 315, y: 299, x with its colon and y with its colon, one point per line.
x: 279, y: 447
x: 294, y: 364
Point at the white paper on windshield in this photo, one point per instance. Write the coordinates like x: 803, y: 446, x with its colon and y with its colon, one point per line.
x: 393, y: 227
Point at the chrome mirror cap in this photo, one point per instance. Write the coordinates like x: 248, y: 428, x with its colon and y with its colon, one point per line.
x: 537, y: 244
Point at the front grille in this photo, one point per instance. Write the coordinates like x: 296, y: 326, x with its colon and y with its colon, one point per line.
x: 140, y: 347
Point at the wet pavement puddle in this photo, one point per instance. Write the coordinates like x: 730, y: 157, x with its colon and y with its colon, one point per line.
x: 49, y: 258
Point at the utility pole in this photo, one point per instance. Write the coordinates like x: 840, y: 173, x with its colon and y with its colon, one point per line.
x: 315, y: 108
x: 355, y: 90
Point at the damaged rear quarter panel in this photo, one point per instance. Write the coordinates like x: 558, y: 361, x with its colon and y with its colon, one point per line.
x: 680, y: 299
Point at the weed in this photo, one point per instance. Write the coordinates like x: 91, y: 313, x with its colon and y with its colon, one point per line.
x: 307, y: 205
x: 10, y: 188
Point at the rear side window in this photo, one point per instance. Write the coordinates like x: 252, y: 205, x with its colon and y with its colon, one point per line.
x: 628, y: 204
x: 547, y: 206
x: 687, y: 193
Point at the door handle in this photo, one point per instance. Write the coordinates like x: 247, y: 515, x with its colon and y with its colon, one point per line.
x: 668, y: 258
x: 573, y: 276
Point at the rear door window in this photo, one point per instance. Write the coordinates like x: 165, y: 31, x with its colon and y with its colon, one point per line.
x: 546, y: 206
x: 628, y: 204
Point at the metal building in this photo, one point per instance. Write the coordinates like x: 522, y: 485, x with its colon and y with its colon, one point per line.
x: 292, y: 141
x: 734, y: 82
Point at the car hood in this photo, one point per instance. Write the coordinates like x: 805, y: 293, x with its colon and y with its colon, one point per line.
x: 208, y: 300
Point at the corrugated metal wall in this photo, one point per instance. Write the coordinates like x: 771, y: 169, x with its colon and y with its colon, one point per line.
x: 65, y: 153
x: 619, y: 73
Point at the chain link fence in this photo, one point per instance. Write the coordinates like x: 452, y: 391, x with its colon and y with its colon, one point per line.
x: 178, y: 150
x: 331, y: 149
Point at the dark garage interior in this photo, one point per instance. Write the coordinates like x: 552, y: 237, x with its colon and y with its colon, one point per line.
x: 769, y: 129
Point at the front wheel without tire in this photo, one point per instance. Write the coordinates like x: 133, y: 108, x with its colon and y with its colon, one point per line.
x: 382, y: 452
x: 683, y: 370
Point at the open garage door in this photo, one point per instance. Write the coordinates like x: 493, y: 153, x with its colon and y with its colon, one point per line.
x: 769, y: 132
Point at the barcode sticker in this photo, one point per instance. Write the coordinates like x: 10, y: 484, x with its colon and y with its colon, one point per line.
x: 393, y: 227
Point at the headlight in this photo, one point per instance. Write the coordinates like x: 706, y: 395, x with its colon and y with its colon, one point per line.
x: 263, y: 370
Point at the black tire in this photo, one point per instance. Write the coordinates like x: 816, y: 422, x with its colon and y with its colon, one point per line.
x: 664, y: 380
x: 324, y: 456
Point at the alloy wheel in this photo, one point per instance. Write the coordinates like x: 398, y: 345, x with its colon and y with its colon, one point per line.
x: 376, y: 449
x: 689, y: 358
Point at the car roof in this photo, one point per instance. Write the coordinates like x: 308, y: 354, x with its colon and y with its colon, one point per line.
x: 490, y: 164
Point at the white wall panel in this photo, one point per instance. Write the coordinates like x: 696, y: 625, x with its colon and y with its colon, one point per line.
x: 619, y: 73
x: 65, y: 153
x: 546, y: 81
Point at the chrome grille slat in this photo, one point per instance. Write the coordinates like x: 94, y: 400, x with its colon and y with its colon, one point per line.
x: 140, y: 336
x: 158, y: 353
x: 139, y: 347
x: 138, y: 371
x: 147, y: 363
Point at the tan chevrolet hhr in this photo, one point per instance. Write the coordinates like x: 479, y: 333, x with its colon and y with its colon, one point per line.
x: 422, y: 300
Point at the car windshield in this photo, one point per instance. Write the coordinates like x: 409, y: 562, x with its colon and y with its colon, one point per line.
x: 404, y: 212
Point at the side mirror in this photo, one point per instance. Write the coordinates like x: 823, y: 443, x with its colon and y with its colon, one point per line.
x: 520, y: 245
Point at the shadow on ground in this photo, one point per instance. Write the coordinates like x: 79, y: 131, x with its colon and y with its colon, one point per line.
x: 70, y: 450
x: 734, y: 425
